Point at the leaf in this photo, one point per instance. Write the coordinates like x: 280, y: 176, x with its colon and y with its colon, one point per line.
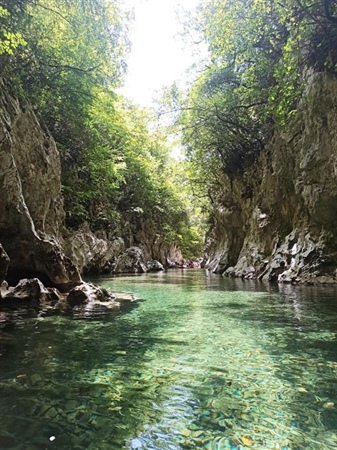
x: 247, y: 440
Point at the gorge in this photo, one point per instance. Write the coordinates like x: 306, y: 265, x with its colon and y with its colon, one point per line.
x: 110, y: 337
x: 277, y: 221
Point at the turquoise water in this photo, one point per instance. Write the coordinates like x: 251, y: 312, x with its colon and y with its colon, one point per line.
x: 199, y: 362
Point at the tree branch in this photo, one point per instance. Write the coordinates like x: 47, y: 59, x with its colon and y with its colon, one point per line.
x: 74, y: 69
x: 331, y: 18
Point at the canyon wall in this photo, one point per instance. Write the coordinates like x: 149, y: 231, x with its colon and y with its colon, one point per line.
x: 33, y: 239
x: 31, y: 209
x: 278, y: 220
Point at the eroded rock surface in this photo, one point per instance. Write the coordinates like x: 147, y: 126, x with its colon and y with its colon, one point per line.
x: 98, y: 253
x: 29, y: 292
x: 31, y: 209
x: 132, y: 261
x: 277, y: 221
x: 88, y: 293
x: 93, y: 253
x: 154, y: 266
x: 4, y: 262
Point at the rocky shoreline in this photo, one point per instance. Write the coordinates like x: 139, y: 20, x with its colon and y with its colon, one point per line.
x: 275, y: 222
x: 41, y: 261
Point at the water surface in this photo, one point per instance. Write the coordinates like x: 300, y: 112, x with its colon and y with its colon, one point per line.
x: 199, y: 362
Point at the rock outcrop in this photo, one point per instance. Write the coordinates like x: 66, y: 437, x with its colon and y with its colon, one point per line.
x: 87, y: 296
x: 4, y: 262
x: 33, y: 240
x: 31, y: 209
x: 93, y: 253
x: 139, y: 231
x: 154, y: 266
x: 86, y: 293
x: 277, y: 221
x: 131, y: 261
x: 29, y: 292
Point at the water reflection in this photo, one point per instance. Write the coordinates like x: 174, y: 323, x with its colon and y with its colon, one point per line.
x: 202, y: 362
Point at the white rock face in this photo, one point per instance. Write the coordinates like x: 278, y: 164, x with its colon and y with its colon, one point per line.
x: 277, y: 221
x: 31, y: 209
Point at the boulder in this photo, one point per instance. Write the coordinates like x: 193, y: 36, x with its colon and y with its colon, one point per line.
x: 31, y: 292
x: 154, y: 266
x: 132, y: 261
x: 88, y: 293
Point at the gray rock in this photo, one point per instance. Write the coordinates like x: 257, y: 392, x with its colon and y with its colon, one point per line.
x: 93, y: 253
x: 4, y: 262
x: 277, y: 220
x: 32, y: 292
x: 154, y: 266
x: 88, y: 293
x: 132, y: 261
x: 31, y: 208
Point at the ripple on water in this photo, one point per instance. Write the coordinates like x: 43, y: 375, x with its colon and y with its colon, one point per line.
x: 201, y: 362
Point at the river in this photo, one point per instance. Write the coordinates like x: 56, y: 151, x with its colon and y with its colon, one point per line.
x: 198, y: 362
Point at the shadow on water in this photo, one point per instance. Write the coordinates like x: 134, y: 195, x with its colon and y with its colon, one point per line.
x: 202, y: 362
x: 76, y: 383
x: 298, y: 331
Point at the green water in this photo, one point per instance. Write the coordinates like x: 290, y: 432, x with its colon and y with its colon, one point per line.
x: 199, y: 362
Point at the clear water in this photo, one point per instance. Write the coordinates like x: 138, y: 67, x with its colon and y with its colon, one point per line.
x: 200, y: 362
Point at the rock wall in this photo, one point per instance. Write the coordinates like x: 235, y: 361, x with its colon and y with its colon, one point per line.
x: 33, y: 240
x: 31, y: 209
x: 278, y: 220
x: 93, y: 253
x: 96, y: 253
x: 140, y: 231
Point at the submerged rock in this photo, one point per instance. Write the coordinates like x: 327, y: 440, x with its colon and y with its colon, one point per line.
x: 5, y: 323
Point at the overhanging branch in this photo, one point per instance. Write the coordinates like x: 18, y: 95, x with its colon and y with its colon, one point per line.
x: 327, y: 12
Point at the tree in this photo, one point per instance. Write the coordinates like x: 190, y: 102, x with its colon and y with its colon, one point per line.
x: 117, y: 175
x: 253, y: 79
x: 10, y: 37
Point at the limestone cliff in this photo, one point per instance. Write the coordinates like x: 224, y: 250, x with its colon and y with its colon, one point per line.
x: 33, y: 240
x: 277, y: 221
x: 142, y: 232
x: 31, y: 210
x: 93, y: 252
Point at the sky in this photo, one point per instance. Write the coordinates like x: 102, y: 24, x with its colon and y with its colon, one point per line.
x: 158, y: 56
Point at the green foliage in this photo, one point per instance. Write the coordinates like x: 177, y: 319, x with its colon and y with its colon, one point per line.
x: 72, y: 60
x: 258, y: 54
x: 67, y: 57
x: 155, y: 194
x: 10, y: 39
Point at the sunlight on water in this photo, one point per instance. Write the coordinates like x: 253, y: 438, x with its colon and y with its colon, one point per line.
x: 199, y: 362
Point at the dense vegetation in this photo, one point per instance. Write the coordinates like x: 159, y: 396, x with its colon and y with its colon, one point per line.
x: 68, y: 58
x: 260, y: 53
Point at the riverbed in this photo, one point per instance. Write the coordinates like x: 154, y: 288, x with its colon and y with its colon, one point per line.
x: 198, y: 362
